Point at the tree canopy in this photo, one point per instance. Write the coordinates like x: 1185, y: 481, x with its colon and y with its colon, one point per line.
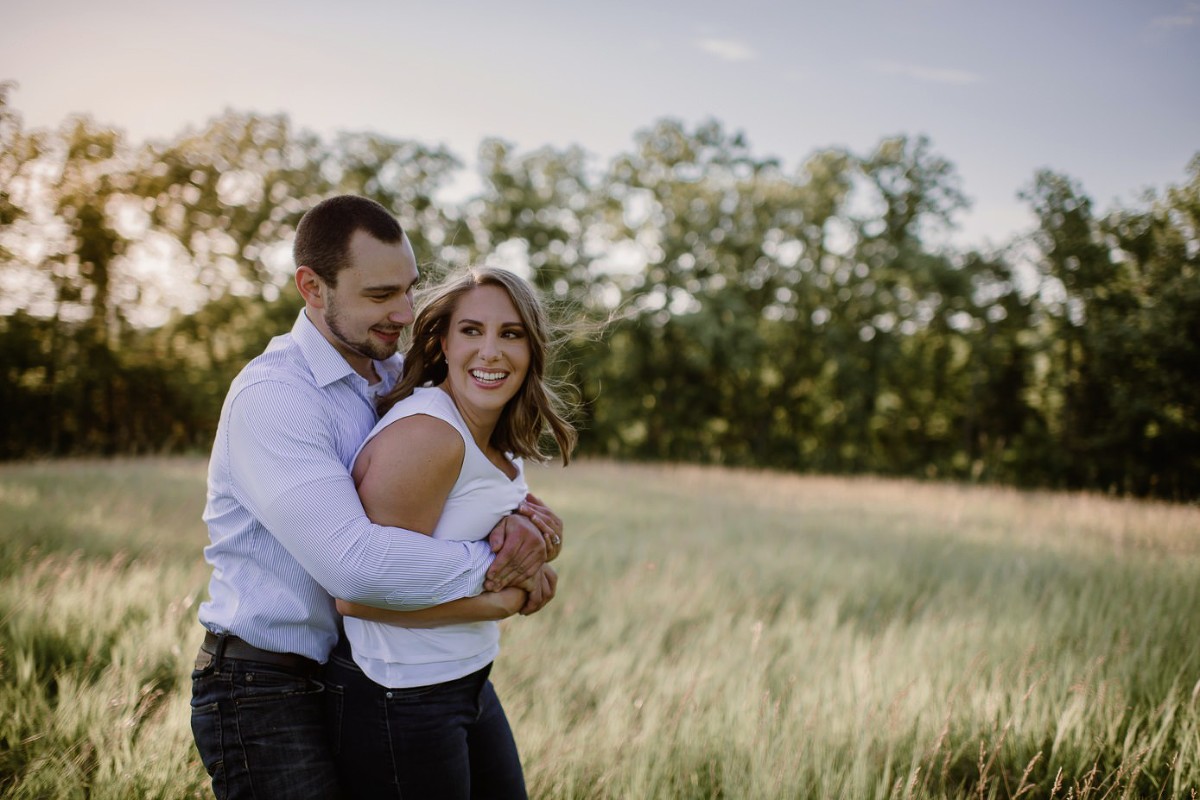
x: 798, y: 320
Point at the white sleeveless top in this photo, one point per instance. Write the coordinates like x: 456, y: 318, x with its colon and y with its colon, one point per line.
x: 398, y: 657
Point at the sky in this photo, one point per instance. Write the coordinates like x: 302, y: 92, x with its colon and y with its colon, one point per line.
x: 1106, y: 91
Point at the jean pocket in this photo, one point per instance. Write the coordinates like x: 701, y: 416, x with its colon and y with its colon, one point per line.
x: 413, y: 694
x: 265, y: 685
x: 206, y: 730
x: 335, y: 700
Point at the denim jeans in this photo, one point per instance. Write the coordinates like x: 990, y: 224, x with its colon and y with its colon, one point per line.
x: 261, y: 731
x: 449, y: 740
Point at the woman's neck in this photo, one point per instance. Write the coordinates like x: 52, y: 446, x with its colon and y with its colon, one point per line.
x: 481, y: 425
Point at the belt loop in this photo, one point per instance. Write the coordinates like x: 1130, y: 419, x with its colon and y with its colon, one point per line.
x: 219, y: 653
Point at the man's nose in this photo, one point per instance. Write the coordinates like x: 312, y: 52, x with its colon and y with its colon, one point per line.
x: 402, y: 314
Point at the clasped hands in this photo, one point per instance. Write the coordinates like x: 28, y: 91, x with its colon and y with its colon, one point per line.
x: 523, y: 543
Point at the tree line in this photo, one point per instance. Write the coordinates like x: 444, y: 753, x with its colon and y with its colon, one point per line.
x: 802, y: 319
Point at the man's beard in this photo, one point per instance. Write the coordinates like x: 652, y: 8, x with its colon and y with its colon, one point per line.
x: 367, y: 347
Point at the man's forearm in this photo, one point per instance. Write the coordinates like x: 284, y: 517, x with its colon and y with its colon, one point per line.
x: 286, y: 472
x: 385, y: 567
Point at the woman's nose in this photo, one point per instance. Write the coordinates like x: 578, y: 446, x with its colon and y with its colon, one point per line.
x: 489, y: 349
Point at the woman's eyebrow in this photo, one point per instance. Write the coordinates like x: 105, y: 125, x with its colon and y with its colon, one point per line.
x: 513, y: 324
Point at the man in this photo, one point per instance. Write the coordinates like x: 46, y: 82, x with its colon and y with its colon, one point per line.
x: 287, y: 529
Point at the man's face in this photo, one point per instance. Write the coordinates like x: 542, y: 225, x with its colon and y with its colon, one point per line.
x: 373, y: 301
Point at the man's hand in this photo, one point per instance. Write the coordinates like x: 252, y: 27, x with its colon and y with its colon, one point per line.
x: 548, y: 523
x: 541, y: 588
x: 520, y: 552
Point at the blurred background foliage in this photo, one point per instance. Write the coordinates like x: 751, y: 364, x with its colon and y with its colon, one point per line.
x: 811, y: 320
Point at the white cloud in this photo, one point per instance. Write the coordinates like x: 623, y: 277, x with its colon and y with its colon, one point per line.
x: 1178, y: 21
x: 727, y: 49
x: 954, y: 77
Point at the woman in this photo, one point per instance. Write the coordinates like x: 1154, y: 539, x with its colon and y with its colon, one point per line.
x: 420, y: 717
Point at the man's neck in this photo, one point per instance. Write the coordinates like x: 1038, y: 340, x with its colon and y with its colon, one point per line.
x: 361, y: 364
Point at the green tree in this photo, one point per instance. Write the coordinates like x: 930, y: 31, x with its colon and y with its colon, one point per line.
x: 84, y: 177
x: 230, y: 194
x: 1120, y: 304
x: 893, y: 306
x: 695, y: 208
x: 538, y: 207
x: 18, y: 150
x: 404, y: 177
x: 1144, y: 329
x: 22, y: 338
x: 798, y: 320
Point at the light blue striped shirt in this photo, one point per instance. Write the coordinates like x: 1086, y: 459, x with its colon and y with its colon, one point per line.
x: 287, y: 528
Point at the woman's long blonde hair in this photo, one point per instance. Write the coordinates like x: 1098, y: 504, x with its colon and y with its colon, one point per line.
x: 537, y: 407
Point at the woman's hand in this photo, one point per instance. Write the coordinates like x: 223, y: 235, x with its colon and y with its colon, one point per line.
x: 541, y: 588
x: 504, y: 603
x: 549, y: 523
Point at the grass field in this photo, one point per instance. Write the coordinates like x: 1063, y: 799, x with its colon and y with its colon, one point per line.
x: 716, y: 634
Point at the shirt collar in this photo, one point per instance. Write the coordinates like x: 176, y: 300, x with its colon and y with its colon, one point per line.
x: 327, y: 364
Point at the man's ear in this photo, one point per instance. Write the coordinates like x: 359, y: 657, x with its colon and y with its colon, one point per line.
x: 311, y: 287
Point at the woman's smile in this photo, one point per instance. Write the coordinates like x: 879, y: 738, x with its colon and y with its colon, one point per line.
x: 489, y: 379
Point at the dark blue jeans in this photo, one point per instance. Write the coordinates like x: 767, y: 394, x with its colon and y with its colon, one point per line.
x: 449, y: 740
x: 261, y: 731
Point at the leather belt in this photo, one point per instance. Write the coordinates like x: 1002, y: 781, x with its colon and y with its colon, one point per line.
x: 222, y: 646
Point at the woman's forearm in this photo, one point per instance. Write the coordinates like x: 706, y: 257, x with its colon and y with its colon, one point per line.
x: 485, y: 607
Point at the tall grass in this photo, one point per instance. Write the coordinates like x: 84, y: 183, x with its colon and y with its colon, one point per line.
x: 100, y: 579
x: 717, y: 634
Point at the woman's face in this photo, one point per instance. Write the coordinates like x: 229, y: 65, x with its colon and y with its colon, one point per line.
x: 487, y: 352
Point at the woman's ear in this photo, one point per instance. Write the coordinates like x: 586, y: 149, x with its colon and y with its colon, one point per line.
x: 311, y: 287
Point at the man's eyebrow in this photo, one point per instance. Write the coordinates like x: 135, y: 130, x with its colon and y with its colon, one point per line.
x: 387, y: 288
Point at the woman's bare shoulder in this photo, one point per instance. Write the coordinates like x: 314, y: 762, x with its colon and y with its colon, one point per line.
x: 416, y: 440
